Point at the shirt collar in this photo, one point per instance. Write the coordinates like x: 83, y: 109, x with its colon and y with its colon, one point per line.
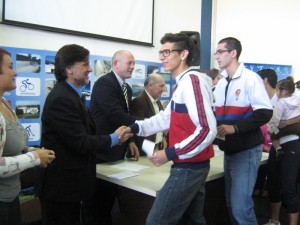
x: 78, y: 90
x: 151, y: 98
x: 180, y: 76
x: 237, y: 73
x: 119, y: 79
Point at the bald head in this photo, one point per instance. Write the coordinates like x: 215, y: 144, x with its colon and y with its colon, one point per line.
x: 155, y: 85
x: 123, y: 63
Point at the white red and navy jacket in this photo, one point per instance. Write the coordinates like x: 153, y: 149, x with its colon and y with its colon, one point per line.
x: 242, y: 101
x: 189, y: 119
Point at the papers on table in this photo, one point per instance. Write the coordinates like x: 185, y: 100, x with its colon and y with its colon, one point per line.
x: 123, y: 175
x: 130, y: 167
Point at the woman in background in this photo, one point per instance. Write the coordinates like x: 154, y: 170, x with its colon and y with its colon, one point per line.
x: 14, y: 155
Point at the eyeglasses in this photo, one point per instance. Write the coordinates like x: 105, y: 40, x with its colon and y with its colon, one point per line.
x: 221, y: 51
x: 167, y: 52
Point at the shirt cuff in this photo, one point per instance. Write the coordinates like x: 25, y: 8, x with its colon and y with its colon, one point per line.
x: 114, y: 139
x: 171, y: 154
x: 134, y: 128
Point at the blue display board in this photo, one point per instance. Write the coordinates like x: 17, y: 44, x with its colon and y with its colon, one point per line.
x: 35, y: 79
x: 282, y: 71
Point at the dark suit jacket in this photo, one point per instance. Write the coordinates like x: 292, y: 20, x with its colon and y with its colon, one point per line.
x: 68, y: 129
x: 109, y: 111
x: 142, y: 107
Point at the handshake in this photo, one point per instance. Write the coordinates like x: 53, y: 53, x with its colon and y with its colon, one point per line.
x: 123, y: 133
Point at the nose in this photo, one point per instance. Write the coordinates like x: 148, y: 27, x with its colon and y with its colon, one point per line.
x: 90, y: 68
x: 161, y: 56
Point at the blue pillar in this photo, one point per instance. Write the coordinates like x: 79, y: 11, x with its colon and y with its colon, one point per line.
x: 205, y: 34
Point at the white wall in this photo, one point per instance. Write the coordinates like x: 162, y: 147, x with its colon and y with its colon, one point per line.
x: 169, y: 16
x: 269, y: 30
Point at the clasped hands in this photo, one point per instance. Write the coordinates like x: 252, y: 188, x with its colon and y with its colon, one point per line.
x: 123, y: 134
x: 46, y: 156
x: 158, y: 158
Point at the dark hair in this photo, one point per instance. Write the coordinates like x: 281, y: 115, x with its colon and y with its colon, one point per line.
x: 270, y: 75
x: 183, y: 42
x: 232, y: 43
x: 213, y: 73
x: 67, y: 56
x: 286, y: 84
x: 2, y: 53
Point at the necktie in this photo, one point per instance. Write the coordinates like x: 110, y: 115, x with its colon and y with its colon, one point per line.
x: 124, y: 87
x: 83, y: 101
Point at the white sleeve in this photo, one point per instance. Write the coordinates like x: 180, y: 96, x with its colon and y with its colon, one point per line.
x: 275, y: 120
x: 10, y: 166
x: 159, y: 122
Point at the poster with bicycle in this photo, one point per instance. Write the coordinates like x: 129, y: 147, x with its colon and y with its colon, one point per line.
x: 35, y: 80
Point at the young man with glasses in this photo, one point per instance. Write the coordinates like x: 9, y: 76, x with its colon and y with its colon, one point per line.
x: 192, y: 128
x: 242, y: 106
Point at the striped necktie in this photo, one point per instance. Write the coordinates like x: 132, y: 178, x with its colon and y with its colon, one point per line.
x: 124, y: 87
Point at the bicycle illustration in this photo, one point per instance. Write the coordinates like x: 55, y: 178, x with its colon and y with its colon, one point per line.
x: 26, y: 85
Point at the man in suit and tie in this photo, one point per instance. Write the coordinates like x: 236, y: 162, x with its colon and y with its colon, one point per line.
x: 109, y: 108
x: 66, y: 185
x: 147, y: 104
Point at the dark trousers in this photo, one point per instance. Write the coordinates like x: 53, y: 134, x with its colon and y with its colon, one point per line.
x: 10, y: 213
x: 289, y: 174
x: 60, y: 213
x: 274, y: 177
x: 98, y: 211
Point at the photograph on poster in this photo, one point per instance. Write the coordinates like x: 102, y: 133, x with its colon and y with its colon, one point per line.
x: 49, y: 64
x: 86, y: 90
x: 49, y: 85
x: 166, y: 76
x: 166, y: 93
x: 139, y: 72
x: 137, y: 88
x: 28, y: 63
x: 28, y: 109
x: 152, y: 69
x: 101, y: 67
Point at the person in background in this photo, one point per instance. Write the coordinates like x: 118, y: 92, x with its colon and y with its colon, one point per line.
x: 273, y: 188
x: 269, y: 77
x: 192, y: 129
x: 288, y: 107
x: 67, y: 185
x: 215, y: 75
x: 147, y: 104
x: 109, y: 108
x: 15, y: 157
x: 297, y: 90
x: 242, y: 106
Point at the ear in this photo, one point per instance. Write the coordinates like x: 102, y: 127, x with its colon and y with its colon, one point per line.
x: 234, y: 53
x: 184, y: 54
x: 69, y: 69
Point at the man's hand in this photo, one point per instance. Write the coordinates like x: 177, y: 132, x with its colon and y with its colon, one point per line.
x: 134, y: 150
x: 122, y: 134
x: 159, y: 158
x: 225, y: 129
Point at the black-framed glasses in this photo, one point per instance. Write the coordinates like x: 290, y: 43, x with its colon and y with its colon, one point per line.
x: 221, y: 51
x: 167, y: 52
